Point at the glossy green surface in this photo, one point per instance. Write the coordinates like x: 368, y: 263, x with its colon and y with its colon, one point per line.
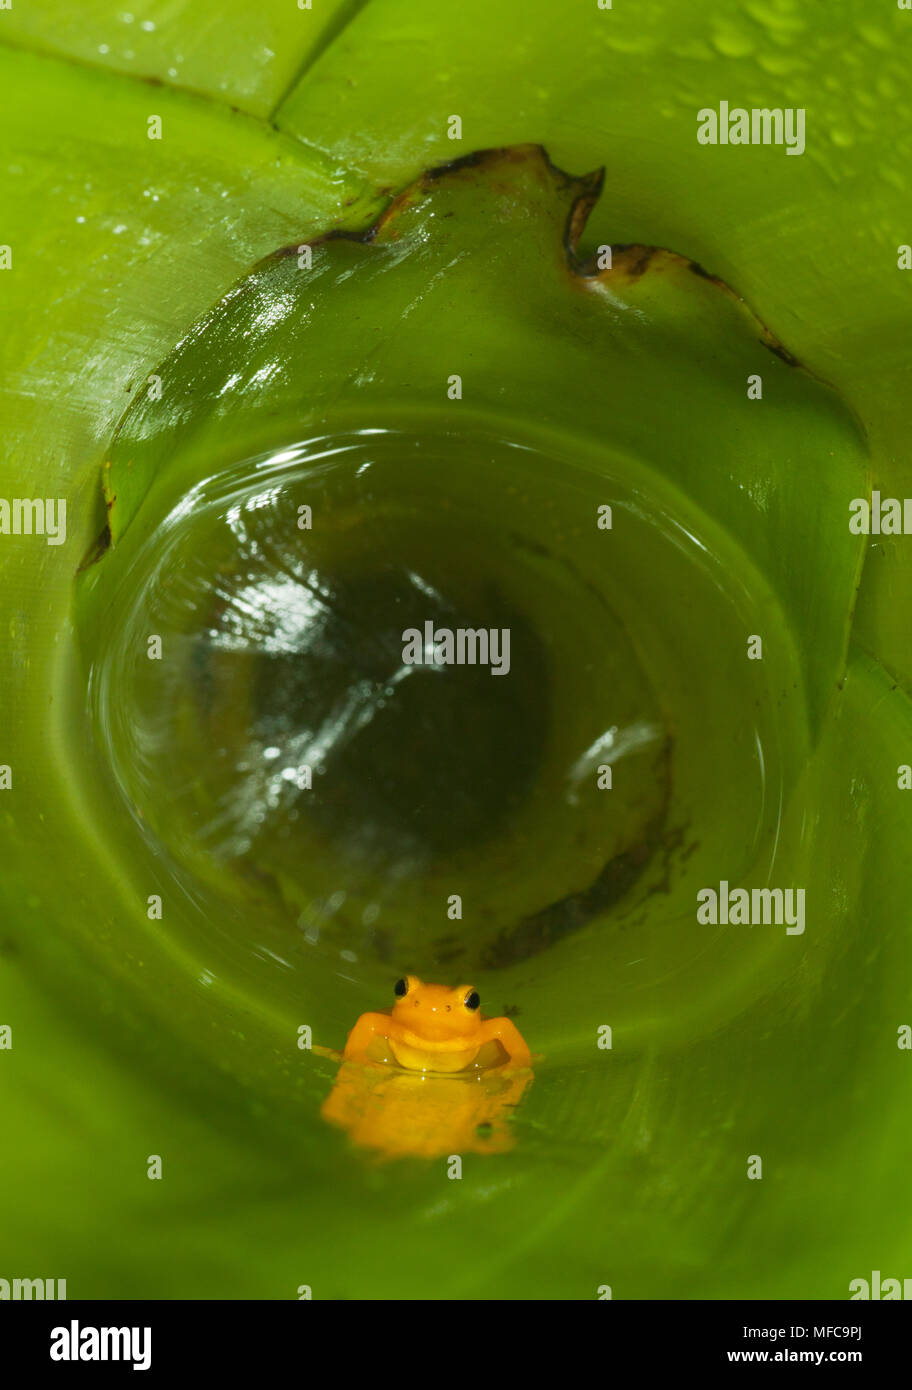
x: 242, y: 55
x: 178, y: 1037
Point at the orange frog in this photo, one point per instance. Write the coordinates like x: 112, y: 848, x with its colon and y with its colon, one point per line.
x: 433, y: 1028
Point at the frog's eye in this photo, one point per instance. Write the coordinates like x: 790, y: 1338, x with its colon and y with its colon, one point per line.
x: 472, y: 1000
x: 400, y: 988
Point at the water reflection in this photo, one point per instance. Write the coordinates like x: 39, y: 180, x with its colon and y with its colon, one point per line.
x: 401, y: 1114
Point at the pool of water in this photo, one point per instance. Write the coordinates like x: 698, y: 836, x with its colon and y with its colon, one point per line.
x: 332, y: 814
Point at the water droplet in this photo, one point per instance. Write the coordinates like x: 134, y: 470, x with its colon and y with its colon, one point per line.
x: 733, y: 44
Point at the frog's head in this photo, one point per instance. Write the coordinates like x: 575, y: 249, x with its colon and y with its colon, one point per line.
x: 436, y: 1011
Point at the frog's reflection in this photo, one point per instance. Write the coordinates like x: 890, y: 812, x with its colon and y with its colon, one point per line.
x: 400, y: 1113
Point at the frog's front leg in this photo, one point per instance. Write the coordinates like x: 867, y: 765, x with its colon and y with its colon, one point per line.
x: 505, y: 1031
x: 368, y: 1027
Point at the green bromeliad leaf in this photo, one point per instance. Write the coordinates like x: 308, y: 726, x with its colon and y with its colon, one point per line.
x: 622, y: 87
x: 473, y: 271
x: 242, y: 55
x: 136, y: 261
